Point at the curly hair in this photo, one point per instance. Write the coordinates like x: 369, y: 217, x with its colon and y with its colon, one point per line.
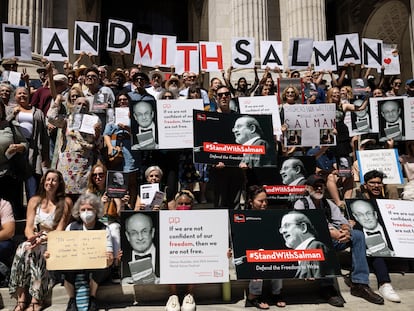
x: 290, y: 86
x: 92, y: 200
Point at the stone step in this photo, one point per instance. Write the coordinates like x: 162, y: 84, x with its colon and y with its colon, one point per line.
x: 296, y: 292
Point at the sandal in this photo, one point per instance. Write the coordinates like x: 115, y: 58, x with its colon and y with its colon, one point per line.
x: 279, y: 301
x: 255, y: 302
x: 34, y: 306
x: 20, y: 306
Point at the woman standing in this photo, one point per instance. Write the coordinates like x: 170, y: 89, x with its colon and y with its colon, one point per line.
x: 47, y: 211
x: 11, y: 187
x: 33, y: 126
x: 257, y: 200
x: 79, y: 152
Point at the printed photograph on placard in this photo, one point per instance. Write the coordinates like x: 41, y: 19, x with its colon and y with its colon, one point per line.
x: 368, y: 219
x: 233, y: 139
x: 139, y: 243
x: 144, y: 125
x: 391, y: 119
x: 117, y: 184
x: 271, y: 244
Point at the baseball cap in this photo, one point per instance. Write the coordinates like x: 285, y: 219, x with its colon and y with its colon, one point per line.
x: 314, y: 179
x: 409, y: 81
x: 367, y: 141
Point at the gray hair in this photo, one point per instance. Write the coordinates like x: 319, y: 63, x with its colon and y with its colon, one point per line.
x: 91, y: 199
x: 153, y: 168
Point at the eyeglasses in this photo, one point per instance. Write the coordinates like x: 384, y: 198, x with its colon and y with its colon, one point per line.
x: 173, y: 82
x: 192, y: 77
x: 100, y: 175
x: 397, y: 83
x: 290, y: 92
x: 92, y: 76
x: 223, y: 94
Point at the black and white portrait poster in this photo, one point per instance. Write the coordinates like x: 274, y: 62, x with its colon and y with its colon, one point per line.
x: 273, y: 244
x: 314, y: 124
x: 233, y: 139
x: 144, y: 125
x: 140, y: 246
x: 391, y: 119
x: 175, y: 122
x: 262, y: 105
x: 368, y: 219
x: 398, y: 217
x: 360, y: 120
x: 117, y: 184
x: 287, y: 183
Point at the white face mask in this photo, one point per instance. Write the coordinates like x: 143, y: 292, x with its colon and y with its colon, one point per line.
x: 87, y: 216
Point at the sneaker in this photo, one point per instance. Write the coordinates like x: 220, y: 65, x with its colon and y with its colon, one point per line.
x: 365, y: 292
x: 72, y: 305
x: 387, y: 291
x: 93, y: 305
x: 188, y: 303
x: 173, y: 304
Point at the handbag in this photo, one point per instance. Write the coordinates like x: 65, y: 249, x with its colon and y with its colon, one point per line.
x: 19, y: 164
x: 116, y: 160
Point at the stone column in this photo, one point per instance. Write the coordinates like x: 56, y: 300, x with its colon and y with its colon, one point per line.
x: 34, y: 13
x: 302, y: 19
x: 250, y: 20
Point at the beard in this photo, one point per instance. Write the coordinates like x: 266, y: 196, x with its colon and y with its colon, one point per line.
x: 316, y: 195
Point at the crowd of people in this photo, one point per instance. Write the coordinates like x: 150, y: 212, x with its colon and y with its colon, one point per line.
x: 65, y: 184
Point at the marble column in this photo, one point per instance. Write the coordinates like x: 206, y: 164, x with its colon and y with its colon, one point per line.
x: 34, y: 13
x: 302, y: 19
x: 250, y: 20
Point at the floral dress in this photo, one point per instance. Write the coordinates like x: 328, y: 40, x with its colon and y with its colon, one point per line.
x: 79, y: 152
x: 29, y: 265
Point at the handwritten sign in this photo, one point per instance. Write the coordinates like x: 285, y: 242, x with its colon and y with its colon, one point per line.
x: 76, y: 250
x: 384, y: 160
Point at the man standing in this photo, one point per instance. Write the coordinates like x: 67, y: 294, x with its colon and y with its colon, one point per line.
x: 140, y: 232
x: 229, y: 182
x: 342, y: 237
x: 300, y: 234
x: 248, y: 132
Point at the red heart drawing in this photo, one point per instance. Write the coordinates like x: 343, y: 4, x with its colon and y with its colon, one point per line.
x: 387, y: 60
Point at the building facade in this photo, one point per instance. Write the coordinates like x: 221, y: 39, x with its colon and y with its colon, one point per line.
x: 220, y: 20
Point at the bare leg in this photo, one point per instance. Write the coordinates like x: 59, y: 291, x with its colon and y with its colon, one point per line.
x: 333, y: 188
x: 70, y: 289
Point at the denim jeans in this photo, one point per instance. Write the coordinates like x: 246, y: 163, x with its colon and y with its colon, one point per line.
x: 255, y: 286
x: 360, y: 269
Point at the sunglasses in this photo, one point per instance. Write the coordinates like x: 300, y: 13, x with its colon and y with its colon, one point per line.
x: 223, y: 94
x: 92, y: 77
x: 100, y: 175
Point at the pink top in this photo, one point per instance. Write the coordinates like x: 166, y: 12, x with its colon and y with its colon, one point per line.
x: 6, y: 212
